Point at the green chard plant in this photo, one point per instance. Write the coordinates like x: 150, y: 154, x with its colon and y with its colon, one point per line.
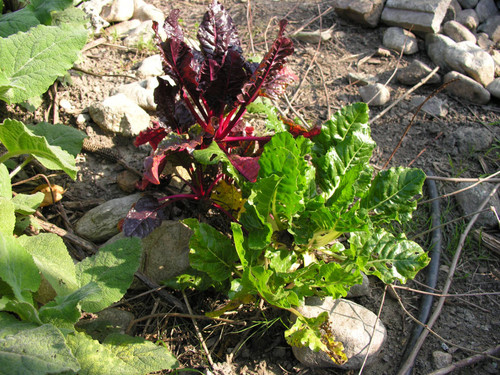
x: 314, y: 213
x: 38, y: 43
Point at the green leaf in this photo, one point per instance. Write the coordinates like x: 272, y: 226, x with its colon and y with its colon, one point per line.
x: 142, y: 355
x: 26, y: 204
x: 247, y: 256
x: 32, y: 61
x: 112, y: 269
x: 5, y: 185
x: 43, y: 8
x: 36, y: 351
x: 8, y: 221
x: 273, y: 122
x: 315, y: 334
x: 211, y: 251
x: 214, y: 155
x: 66, y: 137
x: 18, y: 140
x: 17, y: 268
x: 391, y: 195
x: 64, y: 311
x: 10, y: 325
x: 52, y: 259
x: 25, y: 310
x: 386, y: 256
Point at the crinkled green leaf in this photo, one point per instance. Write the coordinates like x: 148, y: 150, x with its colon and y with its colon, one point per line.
x: 22, y: 20
x: 392, y: 194
x: 259, y: 228
x: 8, y: 217
x: 17, y: 268
x: 95, y: 358
x: 18, y: 140
x: 386, y: 256
x: 33, y: 60
x: 247, y: 256
x: 211, y: 251
x: 272, y: 120
x: 69, y: 15
x: 66, y: 137
x: 25, y: 310
x: 314, y: 333
x: 142, y: 355
x: 214, y: 155
x: 10, y: 325
x: 53, y: 260
x: 26, y: 204
x: 36, y: 351
x: 64, y: 311
x: 112, y: 269
x: 5, y: 185
x: 192, y: 278
x: 336, y: 280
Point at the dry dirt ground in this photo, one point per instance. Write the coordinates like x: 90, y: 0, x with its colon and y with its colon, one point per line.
x: 470, y: 322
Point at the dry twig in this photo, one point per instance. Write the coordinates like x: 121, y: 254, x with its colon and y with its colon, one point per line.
x: 467, y: 361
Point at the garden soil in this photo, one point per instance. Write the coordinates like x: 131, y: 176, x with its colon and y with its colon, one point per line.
x: 466, y: 325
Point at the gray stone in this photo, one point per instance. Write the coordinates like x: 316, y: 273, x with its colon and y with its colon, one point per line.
x: 469, y: 59
x: 141, y: 34
x: 468, y: 18
x: 145, y: 12
x: 360, y: 290
x: 441, y: 359
x: 400, y: 39
x: 469, y: 140
x: 365, y: 12
x: 415, y: 72
x: 485, y: 9
x: 436, y: 46
x: 101, y: 222
x: 82, y: 118
x: 123, y: 28
x: 466, y: 88
x: 142, y: 93
x: 361, y: 79
x: 120, y: 114
x: 470, y: 200
x: 351, y: 324
x: 494, y: 88
x: 375, y: 95
x: 314, y: 36
x: 495, y: 54
x: 419, y: 16
x: 468, y: 4
x: 93, y: 9
x: 484, y: 41
x: 150, y: 67
x: 118, y: 10
x: 458, y: 32
x: 108, y: 321
x: 453, y: 9
x: 492, y: 28
x: 434, y: 106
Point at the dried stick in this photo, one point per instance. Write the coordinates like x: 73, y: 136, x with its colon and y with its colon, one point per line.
x: 467, y: 361
x: 457, y: 295
x: 198, y: 332
x: 327, y: 97
x: 423, y: 81
x: 411, y: 358
x: 312, y: 20
x: 249, y: 25
x: 162, y: 293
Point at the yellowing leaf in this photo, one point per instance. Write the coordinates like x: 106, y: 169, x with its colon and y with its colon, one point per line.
x: 52, y: 194
x: 229, y: 197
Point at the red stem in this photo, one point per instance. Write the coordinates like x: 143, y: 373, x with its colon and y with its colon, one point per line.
x: 247, y: 138
x: 233, y: 122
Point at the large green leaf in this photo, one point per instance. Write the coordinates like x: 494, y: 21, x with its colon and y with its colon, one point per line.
x: 18, y: 140
x: 32, y: 61
x: 36, y: 351
x: 386, y: 256
x: 5, y: 185
x: 10, y: 325
x: 142, y: 355
x: 211, y: 251
x: 272, y: 120
x: 26, y: 204
x: 66, y: 137
x: 7, y: 215
x: 112, y: 269
x: 17, y: 268
x: 392, y: 194
x: 53, y: 261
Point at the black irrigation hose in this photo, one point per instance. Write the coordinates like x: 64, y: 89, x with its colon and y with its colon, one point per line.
x: 432, y: 269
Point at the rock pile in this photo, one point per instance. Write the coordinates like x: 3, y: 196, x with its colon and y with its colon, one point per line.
x: 462, y: 37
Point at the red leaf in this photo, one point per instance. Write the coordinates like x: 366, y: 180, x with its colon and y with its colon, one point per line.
x: 247, y: 166
x: 153, y: 135
x: 146, y: 215
x: 296, y: 129
x: 153, y: 166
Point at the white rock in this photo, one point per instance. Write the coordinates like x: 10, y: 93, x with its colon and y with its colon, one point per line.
x: 146, y: 12
x: 93, y: 9
x: 468, y: 18
x: 365, y: 12
x: 82, y: 118
x: 66, y: 105
x: 142, y: 33
x: 120, y: 115
x: 484, y: 41
x: 375, y: 95
x: 458, y: 32
x: 486, y: 9
x: 150, y: 67
x: 436, y: 46
x: 466, y: 88
x: 415, y: 72
x: 118, y: 10
x: 101, y: 222
x: 361, y: 79
x: 314, y: 36
x: 494, y: 88
x: 434, y: 106
x: 142, y: 93
x: 467, y: 58
x: 400, y: 39
x: 468, y: 4
x: 122, y: 28
x: 441, y: 359
x: 351, y: 324
x: 419, y: 16
x: 496, y: 57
